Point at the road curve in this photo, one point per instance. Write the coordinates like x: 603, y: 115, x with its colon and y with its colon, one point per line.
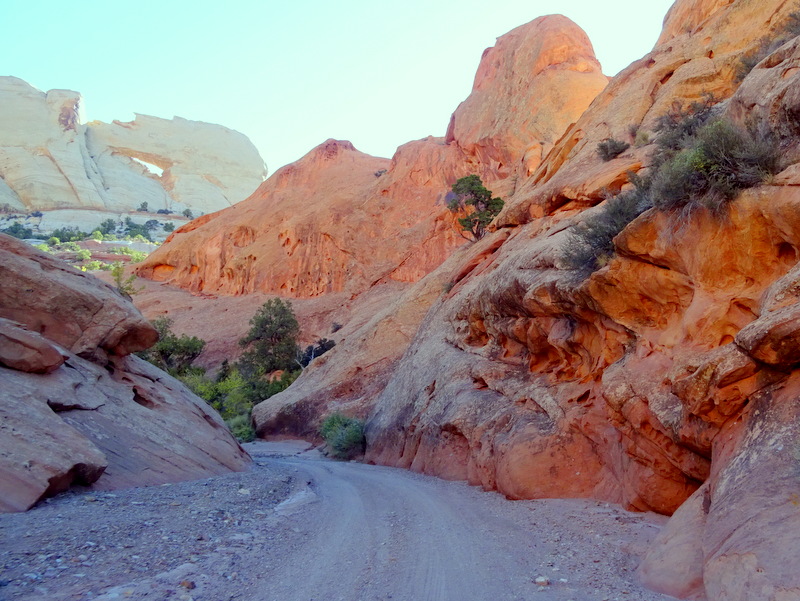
x: 376, y: 533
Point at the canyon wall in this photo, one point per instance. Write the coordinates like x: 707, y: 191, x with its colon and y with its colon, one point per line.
x: 77, y: 407
x: 665, y: 381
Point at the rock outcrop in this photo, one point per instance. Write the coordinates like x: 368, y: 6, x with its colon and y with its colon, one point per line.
x: 77, y: 407
x: 666, y: 381
x: 528, y: 89
x: 50, y: 159
x: 695, y: 56
x: 339, y: 220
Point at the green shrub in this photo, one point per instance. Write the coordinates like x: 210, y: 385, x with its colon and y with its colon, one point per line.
x: 53, y: 241
x: 168, y: 226
x: 312, y: 351
x: 610, y: 148
x: 343, y: 435
x: 18, y: 230
x: 679, y: 126
x: 69, y: 234
x: 134, y: 231
x: 174, y: 354
x: 234, y: 391
x: 469, y: 196
x: 83, y: 254
x: 241, y: 427
x: 97, y: 236
x: 590, y: 244
x: 701, y: 162
x: 125, y: 286
x: 720, y: 161
x: 642, y: 139
x: 97, y: 266
x: 271, y: 343
x: 109, y: 226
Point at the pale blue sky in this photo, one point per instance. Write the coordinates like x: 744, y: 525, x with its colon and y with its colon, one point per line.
x: 291, y: 74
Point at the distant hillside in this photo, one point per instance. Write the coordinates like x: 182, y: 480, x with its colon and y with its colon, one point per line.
x: 50, y: 160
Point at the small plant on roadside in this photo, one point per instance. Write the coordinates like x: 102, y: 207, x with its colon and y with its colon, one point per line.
x: 610, y: 148
x: 343, y: 435
x: 241, y: 427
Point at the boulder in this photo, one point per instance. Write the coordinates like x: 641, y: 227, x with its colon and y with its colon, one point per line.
x: 518, y: 107
x: 27, y: 351
x: 76, y: 407
x: 67, y: 306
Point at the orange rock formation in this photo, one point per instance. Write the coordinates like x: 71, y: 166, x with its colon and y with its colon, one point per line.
x: 76, y: 407
x: 666, y: 381
x: 666, y: 376
x: 339, y: 220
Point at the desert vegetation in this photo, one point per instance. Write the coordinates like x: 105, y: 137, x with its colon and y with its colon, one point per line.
x: 701, y: 162
x: 344, y: 436
x: 271, y: 361
x: 108, y: 230
x: 611, y: 148
x: 470, y: 198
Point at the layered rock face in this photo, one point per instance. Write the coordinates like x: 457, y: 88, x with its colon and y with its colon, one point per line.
x: 50, y: 159
x: 666, y: 381
x: 77, y: 407
x: 339, y: 220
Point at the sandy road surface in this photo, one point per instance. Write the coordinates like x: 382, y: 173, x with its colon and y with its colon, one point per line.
x: 301, y: 528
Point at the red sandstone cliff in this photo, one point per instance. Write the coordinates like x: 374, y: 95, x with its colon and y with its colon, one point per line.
x: 665, y: 381
x: 339, y: 220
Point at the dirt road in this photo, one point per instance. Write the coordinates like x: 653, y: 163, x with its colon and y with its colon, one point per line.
x: 301, y: 528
